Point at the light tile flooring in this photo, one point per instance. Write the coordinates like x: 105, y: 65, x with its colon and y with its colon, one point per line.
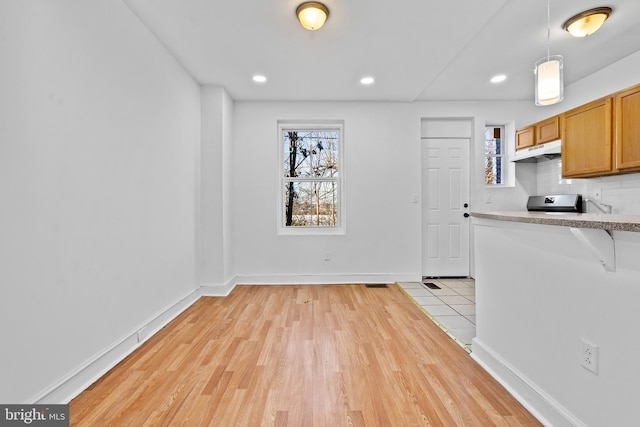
x: 452, y: 307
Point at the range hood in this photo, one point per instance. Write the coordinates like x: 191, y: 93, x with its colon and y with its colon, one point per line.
x: 550, y: 150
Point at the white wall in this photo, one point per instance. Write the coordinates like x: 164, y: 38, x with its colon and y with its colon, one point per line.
x: 382, y: 172
x: 215, y: 196
x: 98, y: 176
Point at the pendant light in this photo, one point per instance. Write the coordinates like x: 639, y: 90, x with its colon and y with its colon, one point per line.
x: 312, y: 15
x: 549, y: 81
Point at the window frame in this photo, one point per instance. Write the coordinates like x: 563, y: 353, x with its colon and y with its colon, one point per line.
x: 302, y: 126
x: 502, y: 156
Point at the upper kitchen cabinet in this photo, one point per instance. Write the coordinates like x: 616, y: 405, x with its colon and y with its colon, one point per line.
x: 538, y: 133
x: 525, y: 137
x: 627, y: 110
x: 548, y: 130
x: 587, y: 140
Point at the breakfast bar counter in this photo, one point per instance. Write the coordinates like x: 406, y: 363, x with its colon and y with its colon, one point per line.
x: 612, y: 222
x: 546, y: 284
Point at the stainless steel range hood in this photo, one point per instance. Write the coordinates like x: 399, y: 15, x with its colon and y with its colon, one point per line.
x: 550, y: 150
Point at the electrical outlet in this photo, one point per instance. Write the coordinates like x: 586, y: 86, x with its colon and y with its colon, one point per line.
x: 589, y: 356
x: 597, y: 194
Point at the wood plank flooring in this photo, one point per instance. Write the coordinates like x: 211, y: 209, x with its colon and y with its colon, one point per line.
x: 326, y: 355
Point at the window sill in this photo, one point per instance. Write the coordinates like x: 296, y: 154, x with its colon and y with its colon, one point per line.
x: 311, y: 231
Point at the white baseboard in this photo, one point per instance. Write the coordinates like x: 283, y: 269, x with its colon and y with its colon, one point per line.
x: 219, y: 290
x: 539, y: 403
x: 83, y: 376
x: 320, y: 279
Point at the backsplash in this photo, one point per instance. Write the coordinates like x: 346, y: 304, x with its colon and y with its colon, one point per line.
x: 620, y: 191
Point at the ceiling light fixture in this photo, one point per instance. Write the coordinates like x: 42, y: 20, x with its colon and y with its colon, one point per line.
x: 549, y: 73
x: 258, y: 78
x: 587, y: 22
x: 312, y: 15
x: 367, y: 80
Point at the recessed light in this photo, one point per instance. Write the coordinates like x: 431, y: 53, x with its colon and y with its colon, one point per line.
x: 498, y: 78
x: 258, y: 78
x: 367, y: 80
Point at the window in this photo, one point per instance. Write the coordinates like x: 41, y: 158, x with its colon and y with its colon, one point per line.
x: 494, y: 155
x: 311, y: 178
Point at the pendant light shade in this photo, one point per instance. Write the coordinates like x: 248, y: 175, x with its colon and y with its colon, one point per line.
x: 548, y: 72
x: 312, y: 15
x: 549, y: 80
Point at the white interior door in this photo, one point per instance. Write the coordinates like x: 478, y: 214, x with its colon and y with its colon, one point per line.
x: 445, y: 207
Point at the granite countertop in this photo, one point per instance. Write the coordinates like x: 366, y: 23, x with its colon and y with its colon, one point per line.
x: 576, y: 220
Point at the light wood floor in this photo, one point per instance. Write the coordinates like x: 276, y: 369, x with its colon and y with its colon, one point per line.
x: 334, y: 355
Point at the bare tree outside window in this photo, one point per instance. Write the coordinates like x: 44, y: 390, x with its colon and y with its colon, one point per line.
x: 311, y: 177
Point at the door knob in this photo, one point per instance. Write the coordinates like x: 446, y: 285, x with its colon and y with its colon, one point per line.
x: 466, y: 205
x: 466, y: 215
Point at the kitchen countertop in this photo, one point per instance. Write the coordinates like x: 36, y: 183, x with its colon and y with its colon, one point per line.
x: 577, y: 220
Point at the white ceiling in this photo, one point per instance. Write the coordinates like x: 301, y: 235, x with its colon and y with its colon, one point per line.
x: 416, y: 49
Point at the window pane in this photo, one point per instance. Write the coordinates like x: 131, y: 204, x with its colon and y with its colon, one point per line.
x: 498, y: 145
x: 324, y: 153
x: 490, y: 148
x: 493, y: 170
x: 311, y: 204
x: 310, y: 153
x: 297, y: 162
x: 493, y: 141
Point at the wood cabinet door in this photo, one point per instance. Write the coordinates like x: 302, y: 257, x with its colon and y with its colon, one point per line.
x: 525, y: 137
x: 548, y: 130
x: 587, y: 136
x: 628, y: 129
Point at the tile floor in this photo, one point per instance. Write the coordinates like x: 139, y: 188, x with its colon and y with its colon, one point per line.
x: 452, y: 307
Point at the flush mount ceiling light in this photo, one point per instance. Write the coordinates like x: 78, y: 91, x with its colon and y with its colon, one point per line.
x: 312, y: 15
x: 587, y: 22
x: 259, y: 78
x: 549, y: 73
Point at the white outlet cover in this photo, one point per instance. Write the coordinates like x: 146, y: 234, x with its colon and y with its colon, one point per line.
x: 597, y: 194
x: 589, y: 356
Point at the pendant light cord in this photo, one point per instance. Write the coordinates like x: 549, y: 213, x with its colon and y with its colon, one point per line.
x: 548, y: 28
